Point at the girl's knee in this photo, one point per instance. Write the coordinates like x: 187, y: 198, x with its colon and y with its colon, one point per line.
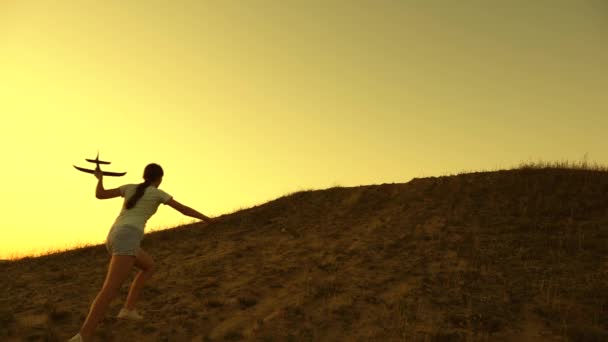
x: 148, y: 269
x: 145, y: 262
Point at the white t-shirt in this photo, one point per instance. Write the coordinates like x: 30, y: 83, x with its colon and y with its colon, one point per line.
x: 145, y: 207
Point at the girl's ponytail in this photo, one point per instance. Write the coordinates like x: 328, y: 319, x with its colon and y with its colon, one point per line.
x: 151, y: 173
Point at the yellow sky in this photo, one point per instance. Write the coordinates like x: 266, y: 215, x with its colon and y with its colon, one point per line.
x: 244, y: 101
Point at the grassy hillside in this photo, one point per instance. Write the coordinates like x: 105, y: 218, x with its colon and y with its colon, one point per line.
x: 515, y: 255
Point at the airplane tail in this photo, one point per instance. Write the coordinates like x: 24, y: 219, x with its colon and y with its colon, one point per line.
x: 94, y: 161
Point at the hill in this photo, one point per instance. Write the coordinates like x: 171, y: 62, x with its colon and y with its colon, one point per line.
x: 512, y: 255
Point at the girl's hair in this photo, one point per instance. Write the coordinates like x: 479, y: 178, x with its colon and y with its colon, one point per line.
x: 152, y: 172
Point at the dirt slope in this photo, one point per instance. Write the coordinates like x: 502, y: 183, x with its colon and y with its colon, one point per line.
x: 517, y: 255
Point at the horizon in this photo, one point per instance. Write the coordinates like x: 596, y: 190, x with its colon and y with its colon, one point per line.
x: 581, y: 165
x: 241, y: 104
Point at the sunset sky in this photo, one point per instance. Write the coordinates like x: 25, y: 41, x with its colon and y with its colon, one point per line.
x: 244, y: 101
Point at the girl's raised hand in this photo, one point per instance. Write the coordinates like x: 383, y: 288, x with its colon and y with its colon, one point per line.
x: 98, y: 174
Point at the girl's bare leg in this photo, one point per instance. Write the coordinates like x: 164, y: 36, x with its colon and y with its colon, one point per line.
x: 145, y: 263
x: 118, y: 271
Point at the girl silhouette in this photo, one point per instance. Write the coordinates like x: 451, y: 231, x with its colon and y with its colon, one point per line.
x: 141, y: 202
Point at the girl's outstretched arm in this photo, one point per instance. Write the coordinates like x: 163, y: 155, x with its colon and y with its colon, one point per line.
x: 188, y: 211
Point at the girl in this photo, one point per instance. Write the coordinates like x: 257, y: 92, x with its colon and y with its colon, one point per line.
x: 141, y: 202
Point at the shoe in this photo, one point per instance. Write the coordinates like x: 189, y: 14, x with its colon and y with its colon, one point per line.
x: 76, y: 338
x: 129, y: 314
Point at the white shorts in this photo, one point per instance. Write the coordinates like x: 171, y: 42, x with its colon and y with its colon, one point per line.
x: 124, y: 240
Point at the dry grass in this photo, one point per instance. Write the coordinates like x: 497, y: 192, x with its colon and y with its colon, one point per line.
x: 506, y: 255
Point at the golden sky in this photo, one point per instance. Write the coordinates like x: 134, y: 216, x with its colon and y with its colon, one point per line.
x: 244, y: 101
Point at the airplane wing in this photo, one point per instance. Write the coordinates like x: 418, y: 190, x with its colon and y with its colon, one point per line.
x: 114, y: 174
x: 84, y: 170
x: 105, y: 173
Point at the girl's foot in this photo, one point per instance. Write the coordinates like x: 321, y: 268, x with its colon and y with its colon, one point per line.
x: 130, y: 314
x: 76, y: 338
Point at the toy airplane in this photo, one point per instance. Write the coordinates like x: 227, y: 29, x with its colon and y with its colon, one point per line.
x: 99, y: 162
